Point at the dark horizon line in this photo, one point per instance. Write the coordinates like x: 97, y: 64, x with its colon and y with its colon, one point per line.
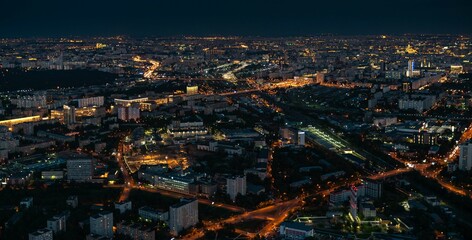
x: 137, y: 36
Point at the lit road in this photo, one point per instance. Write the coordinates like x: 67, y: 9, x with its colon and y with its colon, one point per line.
x: 154, y: 66
x: 276, y: 214
x: 128, y: 179
x: 205, y: 201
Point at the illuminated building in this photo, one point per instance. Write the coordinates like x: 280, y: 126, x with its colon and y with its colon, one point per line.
x: 11, y: 122
x: 191, y: 90
x: 128, y: 102
x: 102, y: 224
x: 456, y: 69
x: 411, y: 67
x: 183, y: 215
x: 236, y: 185
x: 465, y: 157
x: 52, y: 175
x: 320, y: 77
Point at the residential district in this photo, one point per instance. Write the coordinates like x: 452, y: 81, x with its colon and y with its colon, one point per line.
x: 324, y: 137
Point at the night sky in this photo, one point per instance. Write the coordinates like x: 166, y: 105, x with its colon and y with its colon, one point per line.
x: 54, y: 18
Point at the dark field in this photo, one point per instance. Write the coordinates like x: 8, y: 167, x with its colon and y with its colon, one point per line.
x: 18, y: 79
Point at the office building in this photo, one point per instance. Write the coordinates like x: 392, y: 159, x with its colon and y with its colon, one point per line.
x: 183, y: 215
x: 102, y: 224
x: 236, y: 185
x: 79, y: 169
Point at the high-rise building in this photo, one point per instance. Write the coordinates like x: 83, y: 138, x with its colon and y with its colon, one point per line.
x: 57, y: 223
x: 128, y: 113
x: 183, y: 215
x: 102, y: 224
x: 79, y: 168
x: 301, y: 138
x: 373, y: 188
x: 69, y: 114
x: 411, y: 68
x: 41, y: 234
x: 465, y: 156
x: 235, y: 185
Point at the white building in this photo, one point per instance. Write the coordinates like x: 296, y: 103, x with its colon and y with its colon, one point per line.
x: 33, y: 101
x: 91, y: 102
x: 301, y: 138
x: 128, y: 113
x: 41, y: 234
x: 419, y: 103
x: 57, y: 223
x: 465, y: 157
x: 295, y: 230
x: 183, y: 215
x: 102, y: 224
x: 235, y: 185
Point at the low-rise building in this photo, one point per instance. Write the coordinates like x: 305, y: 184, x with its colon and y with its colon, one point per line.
x: 295, y: 230
x: 41, y: 234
